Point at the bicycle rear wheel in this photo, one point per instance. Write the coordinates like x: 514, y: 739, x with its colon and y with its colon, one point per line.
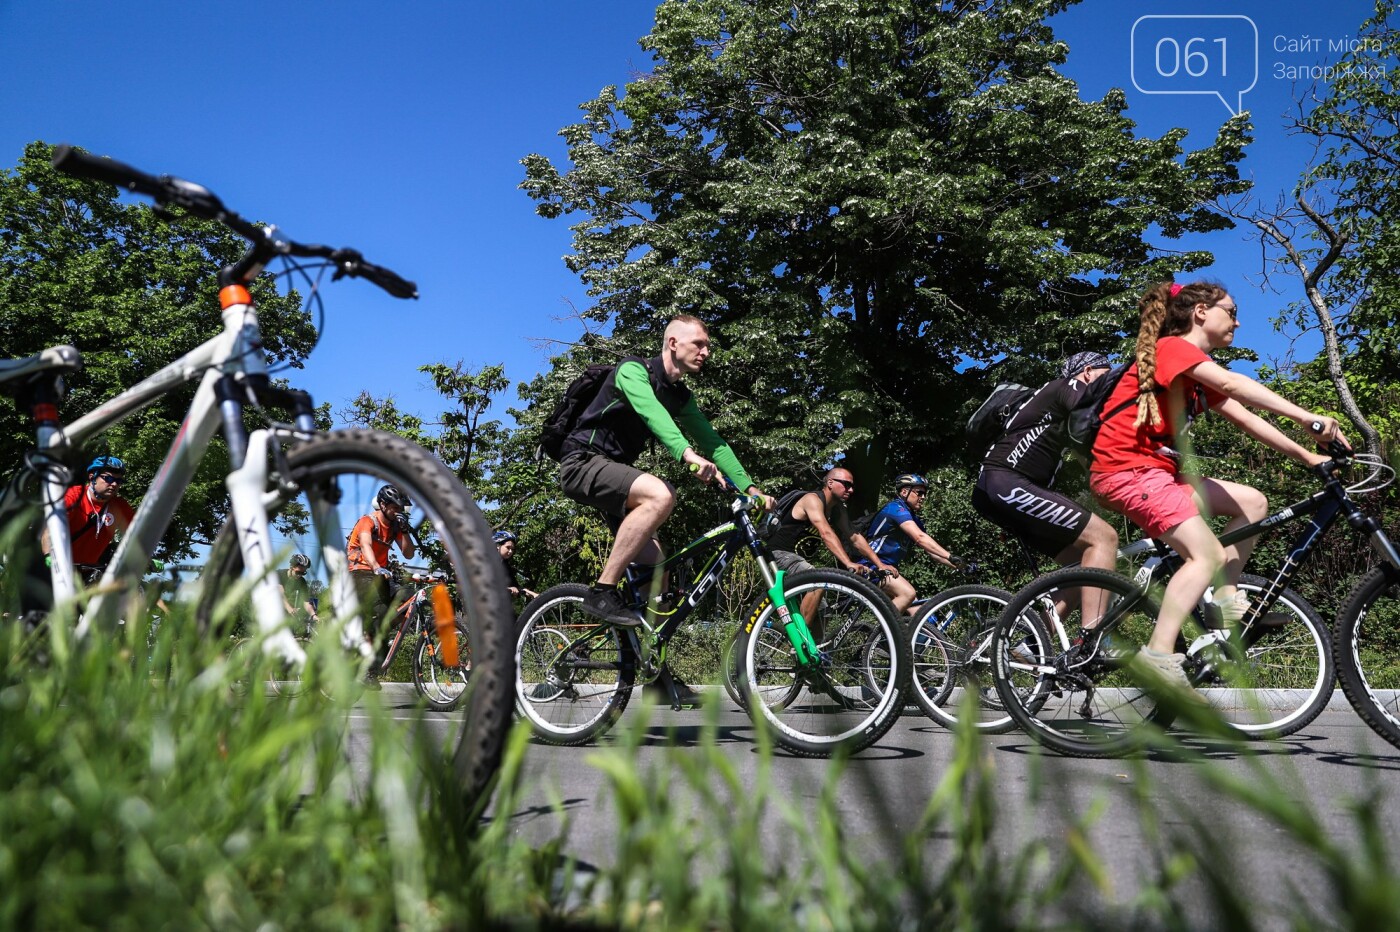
x: 951, y: 639
x: 853, y: 697
x: 1085, y: 701
x: 332, y: 480
x: 574, y: 675
x: 1282, y: 677
x: 1367, y: 637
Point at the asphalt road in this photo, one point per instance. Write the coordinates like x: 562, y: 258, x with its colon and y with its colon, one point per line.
x: 1128, y: 805
x: 1122, y: 809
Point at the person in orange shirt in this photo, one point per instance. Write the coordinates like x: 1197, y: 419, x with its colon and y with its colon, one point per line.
x: 95, y: 514
x: 367, y: 550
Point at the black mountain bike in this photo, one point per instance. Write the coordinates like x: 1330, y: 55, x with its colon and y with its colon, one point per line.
x: 1269, y: 676
x: 833, y: 682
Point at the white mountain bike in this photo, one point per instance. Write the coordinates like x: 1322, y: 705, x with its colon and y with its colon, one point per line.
x: 284, y: 473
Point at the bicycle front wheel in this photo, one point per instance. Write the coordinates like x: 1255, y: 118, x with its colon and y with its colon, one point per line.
x: 1367, y: 638
x: 332, y: 479
x: 852, y: 697
x: 574, y: 674
x: 1085, y: 701
x: 442, y: 685
x: 951, y: 644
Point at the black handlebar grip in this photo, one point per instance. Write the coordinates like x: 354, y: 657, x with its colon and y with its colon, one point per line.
x: 390, y: 281
x: 72, y: 162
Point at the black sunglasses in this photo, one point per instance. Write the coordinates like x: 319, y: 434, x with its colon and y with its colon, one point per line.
x: 1234, y: 312
x: 111, y: 479
x: 846, y: 482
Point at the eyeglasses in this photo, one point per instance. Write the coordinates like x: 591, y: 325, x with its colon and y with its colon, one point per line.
x: 846, y: 482
x: 111, y: 479
x: 1234, y: 312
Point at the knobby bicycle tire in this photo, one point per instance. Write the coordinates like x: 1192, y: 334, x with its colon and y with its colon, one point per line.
x: 1367, y: 638
x: 950, y: 642
x: 332, y: 467
x: 570, y: 696
x: 858, y: 691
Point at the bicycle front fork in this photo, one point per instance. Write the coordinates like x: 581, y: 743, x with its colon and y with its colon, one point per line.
x: 794, y: 625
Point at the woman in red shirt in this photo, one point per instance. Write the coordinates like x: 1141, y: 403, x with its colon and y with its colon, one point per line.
x: 1137, y: 468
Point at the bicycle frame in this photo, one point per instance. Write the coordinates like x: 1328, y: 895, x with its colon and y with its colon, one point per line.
x: 1333, y: 500
x: 725, y: 541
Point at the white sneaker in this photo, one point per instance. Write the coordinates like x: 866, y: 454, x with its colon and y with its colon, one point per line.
x: 1166, y: 672
x: 1231, y: 611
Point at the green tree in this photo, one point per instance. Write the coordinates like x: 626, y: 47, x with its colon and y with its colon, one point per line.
x: 1341, y: 239
x: 133, y: 292
x: 877, y: 206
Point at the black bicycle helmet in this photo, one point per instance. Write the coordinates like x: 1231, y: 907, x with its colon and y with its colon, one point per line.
x: 500, y: 537
x: 390, y: 495
x: 910, y: 480
x: 301, y: 560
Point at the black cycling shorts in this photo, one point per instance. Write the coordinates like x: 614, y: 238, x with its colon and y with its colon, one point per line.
x: 1045, y: 520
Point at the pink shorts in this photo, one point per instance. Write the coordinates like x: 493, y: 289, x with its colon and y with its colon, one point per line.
x: 1154, y: 499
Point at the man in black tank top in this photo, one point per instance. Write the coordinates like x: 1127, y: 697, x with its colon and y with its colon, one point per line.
x: 823, y: 515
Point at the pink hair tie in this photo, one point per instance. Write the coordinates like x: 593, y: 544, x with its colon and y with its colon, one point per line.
x: 1175, y: 289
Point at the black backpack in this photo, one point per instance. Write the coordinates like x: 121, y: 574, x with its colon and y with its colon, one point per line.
x: 989, y: 420
x: 1089, y: 414
x: 784, y: 504
x: 577, y: 397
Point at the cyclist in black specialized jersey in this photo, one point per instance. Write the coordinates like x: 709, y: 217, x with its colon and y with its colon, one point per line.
x: 1013, y: 488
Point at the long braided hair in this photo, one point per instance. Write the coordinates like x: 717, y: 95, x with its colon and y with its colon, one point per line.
x: 1166, y: 312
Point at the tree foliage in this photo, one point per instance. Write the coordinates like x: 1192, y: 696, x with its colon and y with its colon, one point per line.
x: 133, y: 292
x: 872, y: 204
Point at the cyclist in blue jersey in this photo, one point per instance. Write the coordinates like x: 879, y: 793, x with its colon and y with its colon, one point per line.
x: 896, y: 526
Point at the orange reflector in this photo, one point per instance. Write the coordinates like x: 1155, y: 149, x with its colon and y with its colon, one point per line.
x: 446, y: 625
x: 230, y: 295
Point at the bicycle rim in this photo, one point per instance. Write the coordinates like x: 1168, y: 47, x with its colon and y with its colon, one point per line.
x: 950, y: 640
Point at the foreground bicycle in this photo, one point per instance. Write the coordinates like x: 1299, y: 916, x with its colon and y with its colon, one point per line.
x: 576, y: 674
x: 287, y: 473
x: 1270, y: 676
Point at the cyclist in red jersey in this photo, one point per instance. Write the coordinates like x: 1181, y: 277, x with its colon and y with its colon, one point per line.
x: 95, y: 512
x: 1137, y: 467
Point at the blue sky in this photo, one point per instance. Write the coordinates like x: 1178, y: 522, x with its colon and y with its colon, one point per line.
x: 399, y: 130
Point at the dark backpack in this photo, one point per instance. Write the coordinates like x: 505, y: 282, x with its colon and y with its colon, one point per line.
x: 577, y: 397
x: 1089, y: 415
x: 989, y: 421
x: 785, y: 503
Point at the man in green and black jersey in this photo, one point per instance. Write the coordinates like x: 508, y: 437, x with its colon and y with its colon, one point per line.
x: 641, y: 399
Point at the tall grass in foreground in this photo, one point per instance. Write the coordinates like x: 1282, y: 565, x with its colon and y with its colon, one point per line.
x: 139, y: 791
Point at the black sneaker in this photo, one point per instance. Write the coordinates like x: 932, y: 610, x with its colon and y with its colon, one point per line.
x: 607, y: 604
x: 660, y: 690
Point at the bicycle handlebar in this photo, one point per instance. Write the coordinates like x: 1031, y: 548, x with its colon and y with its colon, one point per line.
x: 201, y: 202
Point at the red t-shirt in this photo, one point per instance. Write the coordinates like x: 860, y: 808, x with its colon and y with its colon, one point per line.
x: 102, y: 523
x: 1120, y: 445
x: 380, y: 539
